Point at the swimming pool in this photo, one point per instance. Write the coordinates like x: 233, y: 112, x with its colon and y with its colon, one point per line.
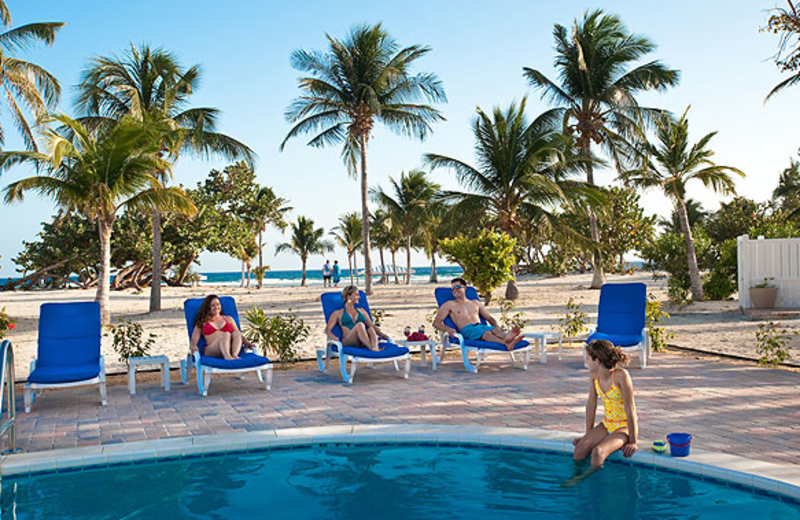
x: 384, y: 480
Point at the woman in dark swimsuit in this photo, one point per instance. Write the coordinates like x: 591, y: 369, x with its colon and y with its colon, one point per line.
x: 357, y: 327
x: 223, y: 337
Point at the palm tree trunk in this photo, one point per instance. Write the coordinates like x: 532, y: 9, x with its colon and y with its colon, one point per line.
x: 434, y: 277
x: 597, y: 260
x: 249, y: 273
x: 260, y: 257
x: 365, y: 214
x: 355, y: 264
x: 394, y: 268
x: 408, y: 260
x: 155, y: 281
x: 104, y: 283
x: 241, y: 283
x: 303, y: 279
x: 694, y: 272
x: 350, y: 266
x: 384, y: 276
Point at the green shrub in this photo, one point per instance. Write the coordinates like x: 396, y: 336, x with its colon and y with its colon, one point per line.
x: 772, y: 343
x: 574, y: 321
x: 378, y: 316
x: 128, y: 340
x: 668, y: 253
x: 514, y: 320
x: 6, y: 323
x: 654, y: 317
x: 278, y: 334
x: 487, y: 259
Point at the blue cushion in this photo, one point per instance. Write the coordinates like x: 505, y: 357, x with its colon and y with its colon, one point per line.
x: 389, y: 350
x: 621, y: 311
x: 490, y: 345
x: 48, y: 375
x: 69, y: 335
x: 620, y: 340
x: 246, y: 360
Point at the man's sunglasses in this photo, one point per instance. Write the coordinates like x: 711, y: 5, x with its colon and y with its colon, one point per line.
x: 456, y: 287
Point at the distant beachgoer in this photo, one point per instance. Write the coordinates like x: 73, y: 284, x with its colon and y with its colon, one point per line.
x: 327, y: 273
x: 619, y: 429
x: 223, y: 337
x: 336, y: 273
x: 358, y: 330
x: 467, y: 314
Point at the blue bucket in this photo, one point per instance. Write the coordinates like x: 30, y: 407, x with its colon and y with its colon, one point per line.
x: 679, y: 444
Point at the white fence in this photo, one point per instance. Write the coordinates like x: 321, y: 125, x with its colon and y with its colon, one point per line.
x: 776, y: 260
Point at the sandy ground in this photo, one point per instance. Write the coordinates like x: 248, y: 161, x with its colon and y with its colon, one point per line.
x: 708, y: 326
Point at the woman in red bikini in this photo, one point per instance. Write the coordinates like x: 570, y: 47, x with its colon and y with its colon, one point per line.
x: 223, y: 337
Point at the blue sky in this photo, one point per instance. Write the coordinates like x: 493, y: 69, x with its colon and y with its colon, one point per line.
x: 479, y: 49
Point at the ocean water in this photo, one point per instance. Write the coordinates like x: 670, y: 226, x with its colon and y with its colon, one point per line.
x: 314, y: 276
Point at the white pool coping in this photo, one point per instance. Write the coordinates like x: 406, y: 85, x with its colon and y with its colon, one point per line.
x: 782, y: 479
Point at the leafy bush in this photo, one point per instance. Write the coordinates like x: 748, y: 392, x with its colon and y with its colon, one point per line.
x: 509, y: 321
x: 128, y: 340
x: 6, y: 323
x: 668, y: 253
x: 653, y: 318
x: 574, y: 321
x: 487, y: 259
x: 278, y: 334
x: 720, y: 283
x: 772, y: 343
x: 378, y: 316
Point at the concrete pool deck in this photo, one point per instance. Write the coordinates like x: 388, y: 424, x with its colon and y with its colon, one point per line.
x: 731, y: 409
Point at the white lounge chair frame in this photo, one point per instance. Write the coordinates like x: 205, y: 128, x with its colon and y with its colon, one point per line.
x: 324, y: 357
x: 31, y: 388
x: 643, y: 349
x: 204, y: 372
x: 522, y: 362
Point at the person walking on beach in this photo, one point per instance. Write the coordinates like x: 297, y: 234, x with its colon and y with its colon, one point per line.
x: 619, y: 429
x: 467, y: 314
x: 327, y: 272
x: 337, y: 276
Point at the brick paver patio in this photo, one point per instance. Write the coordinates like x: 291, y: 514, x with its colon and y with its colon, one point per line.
x: 733, y: 408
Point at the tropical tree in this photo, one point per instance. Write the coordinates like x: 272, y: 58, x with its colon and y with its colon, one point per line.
x: 348, y: 235
x: 305, y: 240
x: 150, y: 85
x: 596, y: 96
x: 670, y: 165
x: 97, y: 175
x: 359, y: 81
x: 269, y: 210
x: 409, y: 207
x: 25, y: 83
x: 381, y: 229
x: 786, y: 23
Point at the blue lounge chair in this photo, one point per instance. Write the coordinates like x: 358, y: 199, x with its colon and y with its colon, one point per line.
x: 68, y: 353
x: 621, y: 318
x: 206, y: 365
x: 332, y: 302
x: 481, y: 348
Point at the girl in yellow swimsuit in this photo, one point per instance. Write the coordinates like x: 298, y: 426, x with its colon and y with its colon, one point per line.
x: 612, y: 384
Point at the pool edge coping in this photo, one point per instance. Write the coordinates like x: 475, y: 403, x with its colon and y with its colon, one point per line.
x: 783, y: 479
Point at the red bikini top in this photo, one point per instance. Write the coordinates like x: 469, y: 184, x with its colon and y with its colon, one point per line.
x: 209, y: 328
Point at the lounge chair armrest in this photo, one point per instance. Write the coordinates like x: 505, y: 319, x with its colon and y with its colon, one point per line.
x: 388, y: 338
x: 33, y: 366
x: 335, y: 343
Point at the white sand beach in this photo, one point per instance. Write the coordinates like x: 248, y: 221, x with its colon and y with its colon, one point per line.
x: 709, y: 326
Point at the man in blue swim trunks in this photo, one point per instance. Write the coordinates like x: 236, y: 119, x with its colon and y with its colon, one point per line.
x: 466, y: 314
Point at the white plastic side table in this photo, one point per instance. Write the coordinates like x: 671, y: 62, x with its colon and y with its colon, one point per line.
x: 148, y: 360
x: 428, y: 344
x: 542, y: 338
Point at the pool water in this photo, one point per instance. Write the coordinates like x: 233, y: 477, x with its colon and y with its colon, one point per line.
x: 355, y: 482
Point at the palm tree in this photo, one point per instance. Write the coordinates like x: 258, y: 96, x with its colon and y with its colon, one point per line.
x: 670, y: 165
x: 380, y: 229
x: 597, y: 94
x: 97, y: 175
x: 348, y: 234
x: 271, y: 210
x: 150, y: 86
x: 305, y: 240
x: 520, y: 167
x: 409, y: 207
x: 695, y: 212
x: 360, y: 81
x: 25, y: 83
x: 786, y: 22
